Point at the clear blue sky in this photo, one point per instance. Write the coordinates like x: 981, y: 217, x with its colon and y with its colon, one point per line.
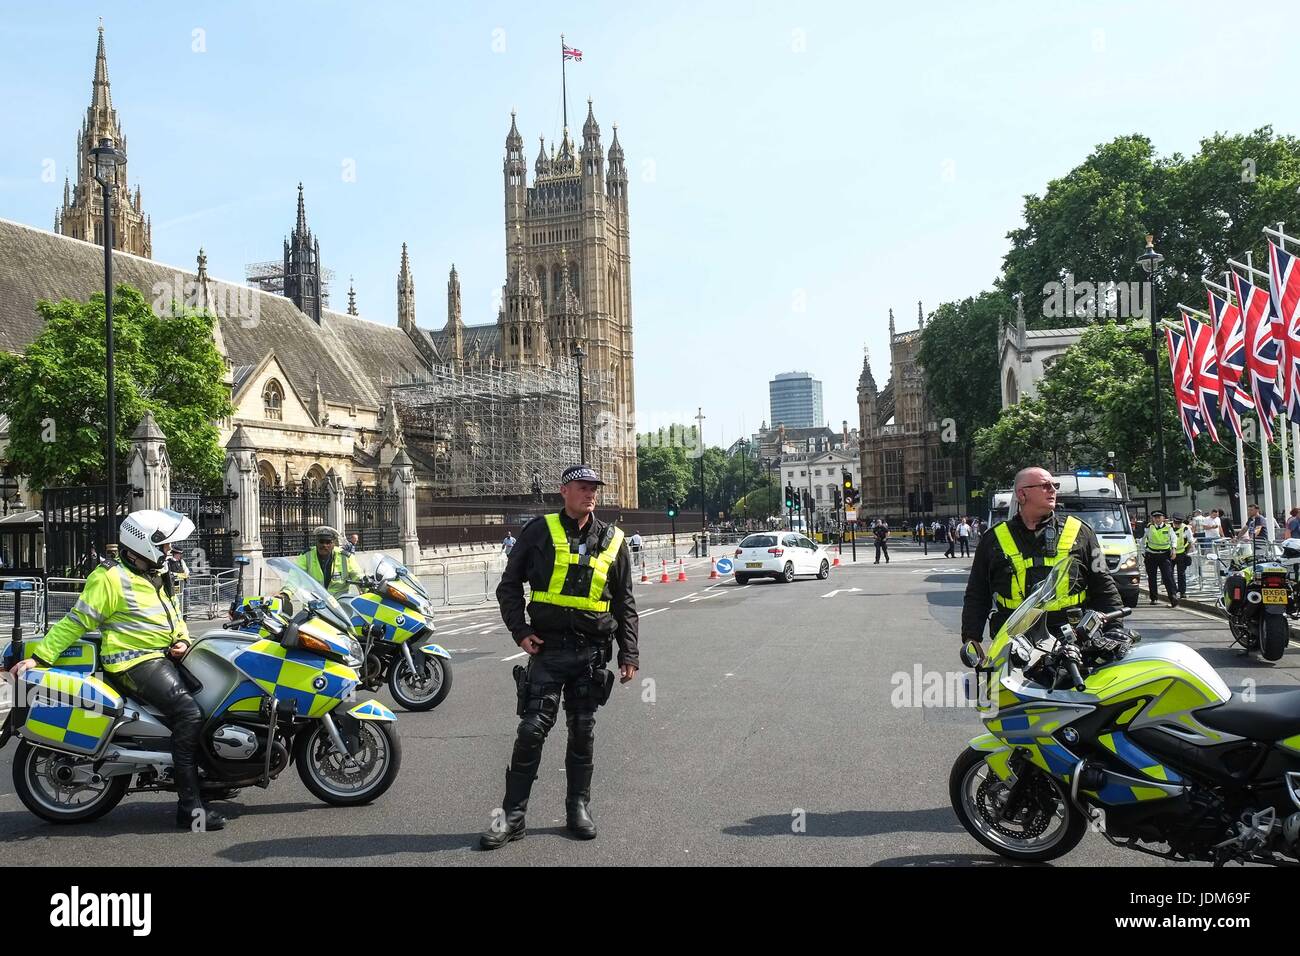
x: 839, y: 158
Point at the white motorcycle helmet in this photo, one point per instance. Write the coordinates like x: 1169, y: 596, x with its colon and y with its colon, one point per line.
x: 1291, y: 548
x: 149, y: 533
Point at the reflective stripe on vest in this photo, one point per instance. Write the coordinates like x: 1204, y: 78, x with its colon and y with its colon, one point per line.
x: 1180, y: 542
x: 1020, y: 566
x: 565, y: 559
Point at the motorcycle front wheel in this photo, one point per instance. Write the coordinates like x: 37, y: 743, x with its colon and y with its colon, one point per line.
x: 1048, y: 826
x: 424, y: 690
x: 343, y: 781
x: 62, y: 789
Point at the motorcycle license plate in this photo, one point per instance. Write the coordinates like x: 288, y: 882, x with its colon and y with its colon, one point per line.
x: 753, y: 564
x: 1274, y: 595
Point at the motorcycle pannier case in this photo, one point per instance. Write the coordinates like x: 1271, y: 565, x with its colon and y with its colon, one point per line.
x: 66, y: 711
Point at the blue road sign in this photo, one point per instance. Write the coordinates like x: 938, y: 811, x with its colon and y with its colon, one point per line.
x: 724, y: 565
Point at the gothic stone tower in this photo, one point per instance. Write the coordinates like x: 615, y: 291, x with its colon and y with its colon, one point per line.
x: 572, y: 224
x: 82, y: 213
x: 302, y: 266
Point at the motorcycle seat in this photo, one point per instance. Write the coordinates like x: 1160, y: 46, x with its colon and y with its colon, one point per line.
x: 1273, y: 714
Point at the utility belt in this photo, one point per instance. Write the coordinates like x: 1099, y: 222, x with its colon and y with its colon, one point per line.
x: 1158, y: 550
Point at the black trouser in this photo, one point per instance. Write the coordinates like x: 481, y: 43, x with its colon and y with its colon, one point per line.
x: 1181, y: 563
x: 159, y: 683
x: 576, y: 668
x: 1161, y: 560
x: 882, y: 544
x: 952, y: 544
x: 965, y: 546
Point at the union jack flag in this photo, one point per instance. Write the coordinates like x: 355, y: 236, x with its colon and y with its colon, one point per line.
x: 1203, y: 366
x: 1183, y: 392
x: 572, y: 54
x: 1230, y: 344
x: 1261, y: 351
x: 1284, y: 288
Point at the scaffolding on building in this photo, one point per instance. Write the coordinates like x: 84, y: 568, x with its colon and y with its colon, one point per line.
x: 269, y: 277
x: 487, y: 431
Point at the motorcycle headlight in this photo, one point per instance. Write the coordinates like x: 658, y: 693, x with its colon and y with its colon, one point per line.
x: 1129, y: 562
x: 354, y: 653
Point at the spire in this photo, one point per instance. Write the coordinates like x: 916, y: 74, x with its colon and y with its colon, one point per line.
x: 590, y: 129
x: 352, y: 298
x: 866, y: 381
x: 543, y: 165
x: 405, y: 294
x: 99, y: 94
x: 453, y: 300
x: 615, y: 150
x: 301, y: 228
x: 891, y: 325
x: 920, y: 315
x: 513, y: 140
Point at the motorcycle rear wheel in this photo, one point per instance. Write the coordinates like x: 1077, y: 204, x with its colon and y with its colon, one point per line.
x: 1060, y: 834
x: 1274, y: 635
x: 420, y: 694
x: 36, y: 774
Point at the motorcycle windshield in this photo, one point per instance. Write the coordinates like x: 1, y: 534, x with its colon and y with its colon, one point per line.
x: 1024, y: 618
x: 303, y: 588
x: 385, y: 567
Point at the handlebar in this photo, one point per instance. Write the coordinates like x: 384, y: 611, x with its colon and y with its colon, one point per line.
x: 1075, y: 676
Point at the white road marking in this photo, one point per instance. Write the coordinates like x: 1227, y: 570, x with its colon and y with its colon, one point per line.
x: 514, y: 657
x: 706, y: 597
x: 841, y: 591
x: 684, y: 597
x: 648, y: 613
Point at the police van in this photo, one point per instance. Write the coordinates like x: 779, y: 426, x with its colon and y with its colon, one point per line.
x: 1098, y: 500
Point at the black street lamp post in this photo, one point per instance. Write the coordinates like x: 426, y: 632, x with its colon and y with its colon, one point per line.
x: 106, y: 161
x: 1150, y: 262
x: 578, y: 355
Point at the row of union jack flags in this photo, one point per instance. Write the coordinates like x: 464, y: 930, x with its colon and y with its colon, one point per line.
x: 1247, y: 358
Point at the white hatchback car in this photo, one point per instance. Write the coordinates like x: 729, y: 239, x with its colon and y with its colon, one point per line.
x: 780, y: 555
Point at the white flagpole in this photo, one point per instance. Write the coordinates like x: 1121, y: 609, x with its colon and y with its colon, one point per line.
x: 1241, y: 482
x: 1286, y: 470
x: 1268, y: 483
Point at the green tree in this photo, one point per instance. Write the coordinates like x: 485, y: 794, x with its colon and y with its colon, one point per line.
x: 664, y: 472
x: 55, y: 392
x: 959, y: 352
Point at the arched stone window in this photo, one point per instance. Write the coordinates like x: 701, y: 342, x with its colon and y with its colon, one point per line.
x: 1013, y: 393
x: 273, y: 401
x: 315, y: 478
x: 266, y: 476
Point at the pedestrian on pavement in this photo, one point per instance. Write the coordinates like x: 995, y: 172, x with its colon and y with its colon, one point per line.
x: 1183, y: 547
x: 1226, y: 528
x: 963, y: 535
x: 89, y: 561
x: 178, y: 572
x: 881, y: 533
x: 1019, y: 553
x: 1158, y: 552
x: 948, y: 535
x: 1293, y: 524
x: 579, y: 570
x: 354, y: 542
x: 1257, y: 524
x: 508, y: 543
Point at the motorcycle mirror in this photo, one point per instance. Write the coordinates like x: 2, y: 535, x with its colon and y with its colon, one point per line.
x: 972, y: 655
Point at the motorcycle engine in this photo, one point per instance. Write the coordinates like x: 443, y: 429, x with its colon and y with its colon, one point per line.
x: 234, y: 743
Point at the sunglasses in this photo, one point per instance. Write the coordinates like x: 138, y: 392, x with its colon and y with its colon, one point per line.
x: 1044, y: 486
x: 324, y: 540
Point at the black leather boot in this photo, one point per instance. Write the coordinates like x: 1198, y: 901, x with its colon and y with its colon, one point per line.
x: 577, y: 816
x: 515, y: 805
x: 191, y: 814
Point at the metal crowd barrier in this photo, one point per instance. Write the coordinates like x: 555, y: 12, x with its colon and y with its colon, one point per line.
x: 31, y: 607
x: 464, y: 586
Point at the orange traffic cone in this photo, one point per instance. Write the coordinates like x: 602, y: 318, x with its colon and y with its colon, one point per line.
x: 663, y: 579
x: 837, y: 558
x: 713, y: 569
x: 681, y: 570
x: 645, y: 578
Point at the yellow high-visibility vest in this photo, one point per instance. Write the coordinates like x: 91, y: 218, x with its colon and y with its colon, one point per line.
x: 1020, y: 566
x: 565, y: 559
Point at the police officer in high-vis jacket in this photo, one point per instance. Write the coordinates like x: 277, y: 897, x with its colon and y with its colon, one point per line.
x: 1014, y: 556
x: 329, y: 564
x: 579, y: 570
x: 144, y: 638
x: 1158, y: 553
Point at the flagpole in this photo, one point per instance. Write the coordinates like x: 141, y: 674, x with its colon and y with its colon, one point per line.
x: 1286, y: 471
x: 1268, y: 483
x: 564, y: 84
x: 1241, y: 482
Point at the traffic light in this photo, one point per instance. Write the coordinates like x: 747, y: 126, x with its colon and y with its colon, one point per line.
x: 835, y: 497
x: 848, y: 481
x: 789, y: 498
x: 672, y: 509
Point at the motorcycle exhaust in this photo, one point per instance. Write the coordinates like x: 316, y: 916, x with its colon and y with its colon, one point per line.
x: 1253, y: 597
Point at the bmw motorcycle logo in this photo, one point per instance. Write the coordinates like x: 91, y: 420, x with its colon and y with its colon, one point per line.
x: 319, y: 683
x: 400, y: 620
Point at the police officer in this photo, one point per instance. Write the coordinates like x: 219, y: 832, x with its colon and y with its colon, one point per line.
x: 580, y: 573
x: 1158, y: 551
x: 1014, y: 556
x: 144, y: 637
x: 329, y: 564
x: 1184, y: 547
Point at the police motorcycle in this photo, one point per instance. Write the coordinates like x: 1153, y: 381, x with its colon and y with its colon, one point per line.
x: 1259, y: 595
x: 279, y: 695
x: 1145, y: 743
x: 392, y: 619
